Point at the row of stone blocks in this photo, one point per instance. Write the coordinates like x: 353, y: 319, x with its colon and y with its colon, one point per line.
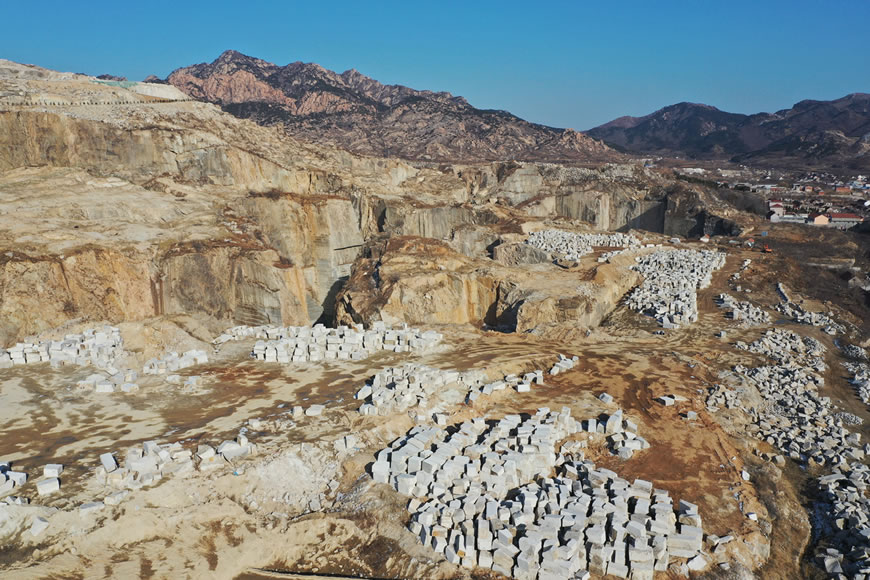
x: 98, y: 347
x: 11, y: 480
x: 315, y: 344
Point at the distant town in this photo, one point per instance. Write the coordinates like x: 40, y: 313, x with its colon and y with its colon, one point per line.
x: 815, y: 198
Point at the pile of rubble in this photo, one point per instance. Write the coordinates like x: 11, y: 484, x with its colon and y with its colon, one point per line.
x: 860, y: 379
x: 148, y: 464
x: 521, y: 384
x: 10, y: 479
x: 671, y: 281
x: 788, y: 348
x: 95, y: 346
x: 399, y: 388
x: 744, y: 312
x: 574, y: 246
x: 719, y: 396
x: 409, y: 386
x: 483, y: 495
x: 739, y: 273
x: 102, y: 383
x: 296, y: 344
x: 806, y: 427
x: 845, y: 500
x: 854, y: 351
x: 798, y: 314
x: 172, y: 362
x: 564, y: 364
x: 797, y: 420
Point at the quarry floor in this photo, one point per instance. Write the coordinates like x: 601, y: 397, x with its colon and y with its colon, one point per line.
x: 247, y: 521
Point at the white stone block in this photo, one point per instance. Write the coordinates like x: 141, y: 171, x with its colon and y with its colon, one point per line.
x: 52, y: 470
x: 38, y: 526
x: 48, y: 486
x: 91, y: 507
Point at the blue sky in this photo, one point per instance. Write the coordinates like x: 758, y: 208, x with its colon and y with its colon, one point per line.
x: 566, y: 64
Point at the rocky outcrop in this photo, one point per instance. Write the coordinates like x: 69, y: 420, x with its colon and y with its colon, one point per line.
x: 358, y: 113
x: 419, y: 281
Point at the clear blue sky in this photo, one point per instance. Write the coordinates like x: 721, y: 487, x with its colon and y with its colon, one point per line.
x: 567, y: 64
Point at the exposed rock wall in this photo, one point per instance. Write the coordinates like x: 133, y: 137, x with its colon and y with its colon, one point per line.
x: 141, y: 154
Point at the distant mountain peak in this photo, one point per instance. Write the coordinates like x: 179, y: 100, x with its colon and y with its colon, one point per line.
x: 359, y: 113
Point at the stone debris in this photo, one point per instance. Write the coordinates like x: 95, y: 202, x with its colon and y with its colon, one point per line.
x: 97, y: 346
x: 172, y: 362
x: 788, y: 348
x: 607, y: 256
x: 91, y: 507
x: 860, y: 380
x: 672, y: 278
x: 145, y: 465
x: 10, y: 479
x: 805, y: 426
x: 299, y: 344
x: 521, y: 384
x: 416, y: 386
x: 744, y: 312
x: 848, y: 418
x: 573, y: 246
x: 854, y: 351
x: 483, y: 495
x: 739, y: 273
x: 798, y: 314
x: 720, y: 396
x: 38, y: 525
x: 112, y: 380
x: 564, y: 364
x: 845, y: 501
x: 399, y: 388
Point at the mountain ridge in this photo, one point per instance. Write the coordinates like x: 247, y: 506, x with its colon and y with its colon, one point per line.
x: 357, y: 112
x: 702, y: 131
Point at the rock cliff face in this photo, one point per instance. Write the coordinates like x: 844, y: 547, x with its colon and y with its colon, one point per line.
x: 362, y: 115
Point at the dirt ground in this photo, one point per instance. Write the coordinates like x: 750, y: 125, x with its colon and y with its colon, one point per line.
x: 249, y: 520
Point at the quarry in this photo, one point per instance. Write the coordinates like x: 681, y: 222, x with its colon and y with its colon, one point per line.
x: 226, y: 353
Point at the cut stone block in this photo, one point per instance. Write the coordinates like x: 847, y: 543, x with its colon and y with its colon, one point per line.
x: 91, y: 507
x: 38, y: 526
x: 48, y: 486
x: 52, y: 470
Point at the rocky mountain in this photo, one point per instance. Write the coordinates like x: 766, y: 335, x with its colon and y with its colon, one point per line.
x: 358, y: 113
x: 834, y: 132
